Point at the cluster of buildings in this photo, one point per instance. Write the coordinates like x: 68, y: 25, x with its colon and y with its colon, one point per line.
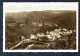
x: 57, y: 33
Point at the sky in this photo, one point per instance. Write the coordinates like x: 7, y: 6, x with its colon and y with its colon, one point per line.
x: 38, y: 6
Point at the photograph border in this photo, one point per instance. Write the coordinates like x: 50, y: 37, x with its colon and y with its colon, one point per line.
x: 77, y: 42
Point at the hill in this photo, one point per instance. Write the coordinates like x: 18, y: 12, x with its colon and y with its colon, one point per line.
x: 25, y: 23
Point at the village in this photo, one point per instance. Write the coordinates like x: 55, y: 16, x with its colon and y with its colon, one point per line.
x: 47, y: 40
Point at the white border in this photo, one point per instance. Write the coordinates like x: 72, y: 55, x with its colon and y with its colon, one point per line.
x: 40, y: 50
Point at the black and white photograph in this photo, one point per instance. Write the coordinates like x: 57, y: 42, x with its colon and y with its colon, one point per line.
x: 40, y: 27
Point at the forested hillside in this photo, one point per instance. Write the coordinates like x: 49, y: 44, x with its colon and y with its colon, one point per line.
x: 27, y: 23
